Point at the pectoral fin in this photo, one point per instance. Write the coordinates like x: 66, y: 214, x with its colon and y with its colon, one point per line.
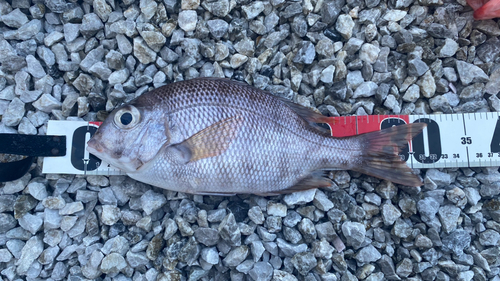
x: 209, y: 142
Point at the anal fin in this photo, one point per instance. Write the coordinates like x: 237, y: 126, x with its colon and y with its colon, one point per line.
x: 314, y: 180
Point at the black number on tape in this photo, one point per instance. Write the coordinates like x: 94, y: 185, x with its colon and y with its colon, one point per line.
x: 495, y: 141
x: 466, y: 140
x: 433, y: 141
x: 78, y: 146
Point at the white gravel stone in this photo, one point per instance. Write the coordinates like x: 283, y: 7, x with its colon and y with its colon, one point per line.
x: 31, y: 223
x: 344, y: 26
x: 14, y: 113
x: 276, y: 209
x: 30, y: 252
x: 110, y: 214
x: 151, y: 201
x: 299, y: 198
x: 187, y: 20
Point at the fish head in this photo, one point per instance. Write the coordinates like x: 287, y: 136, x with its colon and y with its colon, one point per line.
x: 130, y: 137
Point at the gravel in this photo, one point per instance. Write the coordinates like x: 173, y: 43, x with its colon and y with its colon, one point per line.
x: 79, y: 60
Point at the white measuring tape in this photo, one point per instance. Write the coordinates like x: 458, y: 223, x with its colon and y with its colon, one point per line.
x: 448, y: 141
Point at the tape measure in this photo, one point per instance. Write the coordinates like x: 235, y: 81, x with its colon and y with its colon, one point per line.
x: 448, y: 141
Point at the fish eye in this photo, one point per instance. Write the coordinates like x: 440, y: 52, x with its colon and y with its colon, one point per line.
x: 127, y: 117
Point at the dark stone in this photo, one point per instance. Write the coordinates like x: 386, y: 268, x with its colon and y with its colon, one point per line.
x: 23, y: 205
x: 456, y: 242
x: 331, y: 10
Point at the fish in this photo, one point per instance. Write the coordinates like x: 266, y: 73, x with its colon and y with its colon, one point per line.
x: 485, y: 9
x: 213, y: 136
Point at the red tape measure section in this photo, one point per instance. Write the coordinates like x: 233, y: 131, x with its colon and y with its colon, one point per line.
x: 346, y: 126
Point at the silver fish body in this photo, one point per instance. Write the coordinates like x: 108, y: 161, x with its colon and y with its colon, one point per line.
x: 216, y: 136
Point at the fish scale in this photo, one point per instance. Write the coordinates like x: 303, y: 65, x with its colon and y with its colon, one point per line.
x: 217, y: 136
x: 268, y: 137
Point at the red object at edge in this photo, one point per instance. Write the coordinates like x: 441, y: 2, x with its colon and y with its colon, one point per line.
x: 346, y: 126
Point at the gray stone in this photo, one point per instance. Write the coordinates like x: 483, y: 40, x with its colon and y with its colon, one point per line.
x: 427, y: 85
x: 30, y: 252
x: 449, y: 48
x: 7, y: 222
x: 416, y: 67
x: 245, y: 266
x: 101, y: 70
x: 368, y: 254
x: 255, y: 214
x: 238, y: 60
x: 31, y: 223
x: 14, y: 113
x: 91, y: 24
x: 306, y: 53
x: 299, y: 198
x: 5, y: 255
x: 210, y: 255
x: 71, y: 32
x: 322, y: 249
x: 470, y: 73
x: 354, y: 233
x: 137, y: 259
x: 92, y: 58
x: 489, y: 237
x: 276, y: 209
x: 390, y: 214
x: 412, y: 94
x: 253, y: 9
x: 299, y: 26
x: 190, y: 4
x: 207, y: 236
x: 142, y: 52
x: 217, y: 27
x: 71, y: 208
x: 34, y: 67
x: 404, y: 268
x: 14, y: 19
x: 369, y: 53
x: 154, y: 39
x: 257, y: 249
x: 236, y: 256
x: 261, y: 271
x: 184, y: 226
x: 187, y: 20
x: 151, y: 201
x: 472, y: 195
x: 113, y: 263
x: 344, y: 26
x: 331, y: 10
x: 365, y: 89
x: 110, y: 214
x: 428, y: 207
x: 292, y: 10
x: 304, y: 262
x: 102, y: 9
x: 306, y: 227
x: 391, y: 103
x: 229, y: 230
x: 279, y: 275
x: 290, y: 249
x: 119, y: 76
x: 456, y: 242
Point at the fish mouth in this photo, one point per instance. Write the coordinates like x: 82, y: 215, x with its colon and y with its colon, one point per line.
x: 94, y: 147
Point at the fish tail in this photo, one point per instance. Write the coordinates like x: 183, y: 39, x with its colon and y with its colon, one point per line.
x: 379, y: 155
